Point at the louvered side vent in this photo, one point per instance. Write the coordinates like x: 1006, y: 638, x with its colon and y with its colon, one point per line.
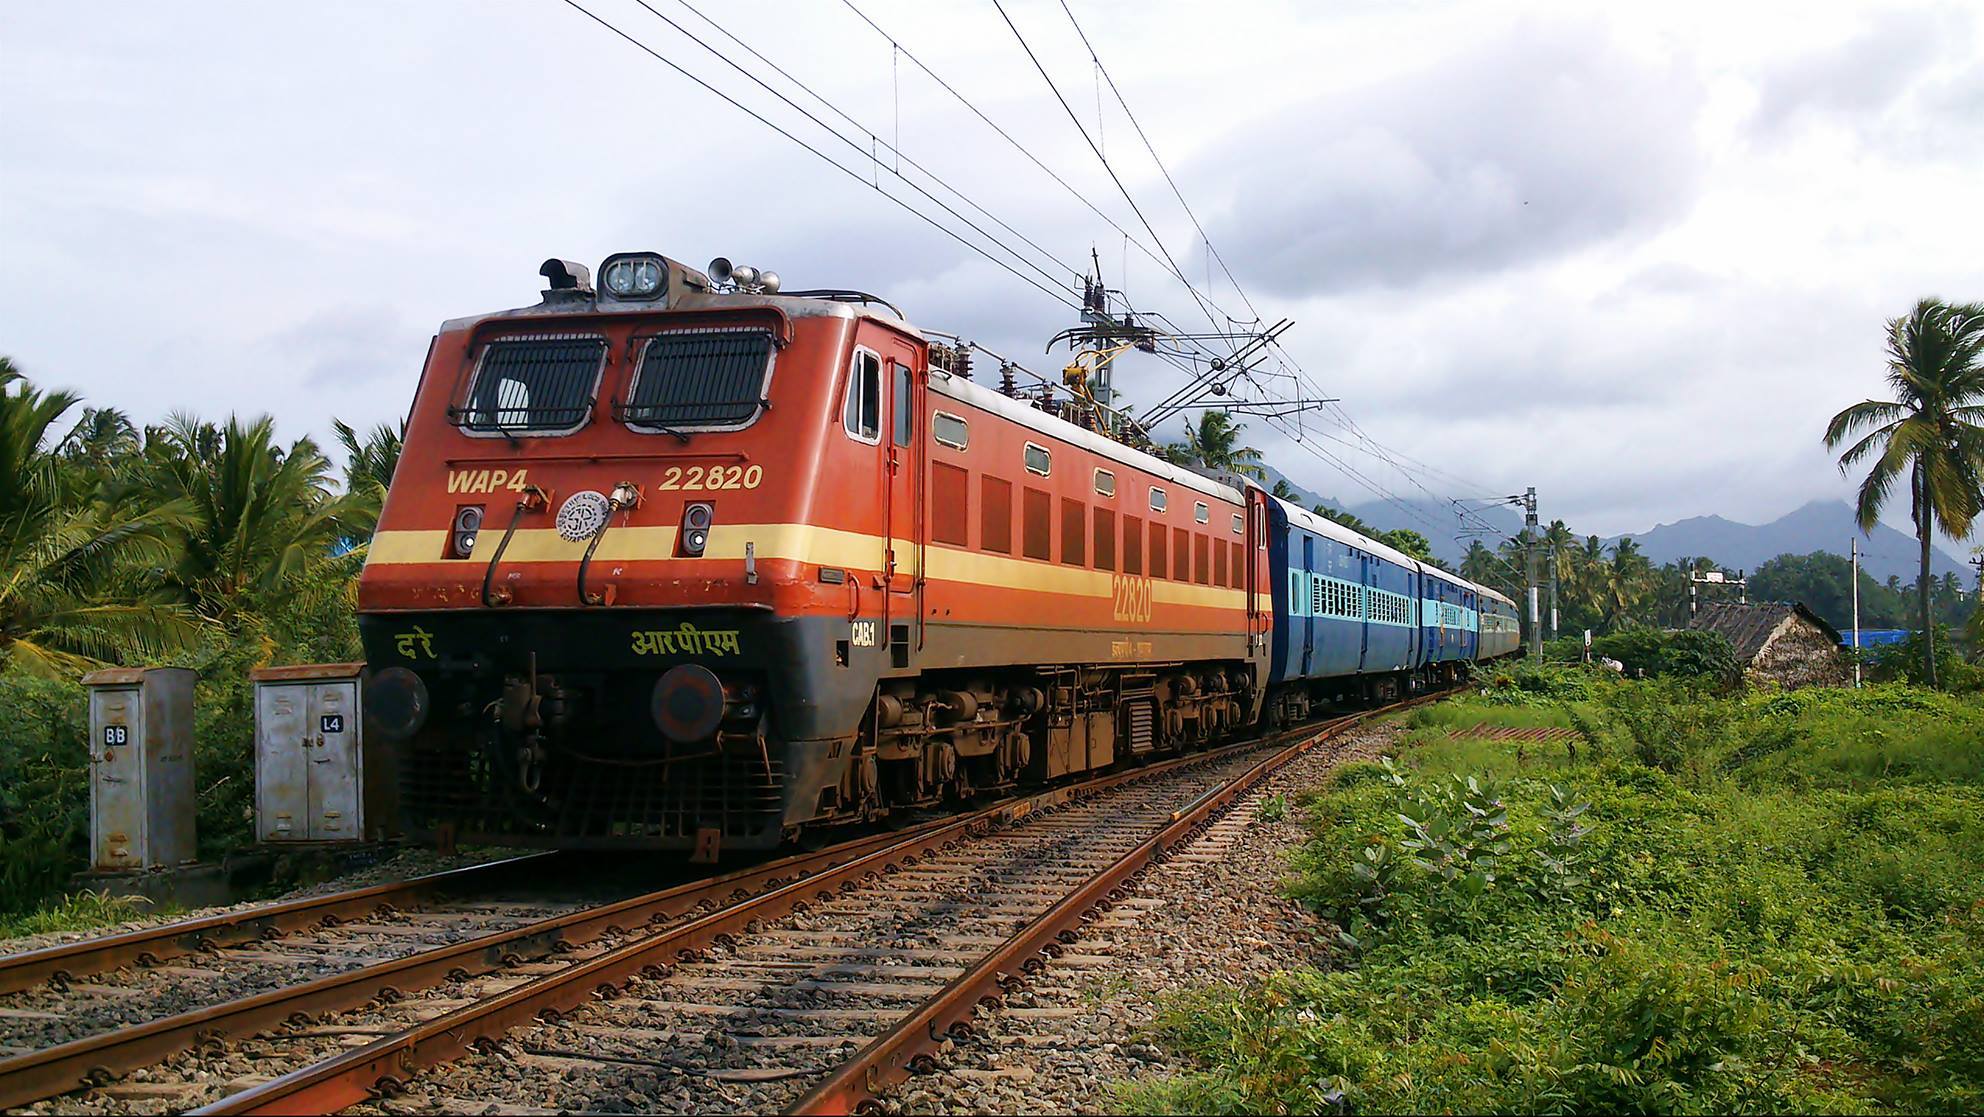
x: 1143, y: 726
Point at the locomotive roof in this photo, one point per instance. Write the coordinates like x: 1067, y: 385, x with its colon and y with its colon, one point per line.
x: 1024, y: 413
x: 562, y: 303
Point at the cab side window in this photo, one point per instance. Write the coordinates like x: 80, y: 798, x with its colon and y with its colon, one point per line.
x: 862, y: 417
x: 903, y: 415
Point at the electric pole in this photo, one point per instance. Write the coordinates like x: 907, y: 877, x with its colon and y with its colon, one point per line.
x: 1853, y: 544
x: 1530, y: 541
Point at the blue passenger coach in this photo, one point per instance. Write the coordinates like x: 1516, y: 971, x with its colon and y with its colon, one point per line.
x: 1358, y: 620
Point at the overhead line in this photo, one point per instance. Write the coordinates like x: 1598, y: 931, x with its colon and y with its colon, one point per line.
x: 1003, y: 134
x: 869, y: 132
x: 824, y: 157
x: 795, y: 106
x: 1090, y: 140
x: 1152, y: 149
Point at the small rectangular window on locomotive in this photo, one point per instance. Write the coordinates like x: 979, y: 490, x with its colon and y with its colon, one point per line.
x: 700, y: 380
x: 539, y: 384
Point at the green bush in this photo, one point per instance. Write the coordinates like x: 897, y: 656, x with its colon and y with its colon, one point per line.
x: 44, y: 788
x: 1770, y: 904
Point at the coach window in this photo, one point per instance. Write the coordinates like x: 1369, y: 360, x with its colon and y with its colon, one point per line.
x: 950, y: 430
x: 1159, y: 500
x: 1239, y: 528
x: 862, y: 417
x: 1200, y: 512
x: 1105, y: 482
x: 1037, y: 459
x: 903, y: 416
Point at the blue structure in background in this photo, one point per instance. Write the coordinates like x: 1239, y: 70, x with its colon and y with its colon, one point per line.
x: 1875, y: 637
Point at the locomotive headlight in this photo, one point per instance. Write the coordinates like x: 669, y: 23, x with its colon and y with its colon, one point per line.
x: 632, y: 277
x: 696, y: 521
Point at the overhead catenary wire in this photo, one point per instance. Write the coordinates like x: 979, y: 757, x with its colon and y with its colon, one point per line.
x: 1384, y: 453
x: 837, y: 134
x: 1170, y: 262
x: 1064, y: 299
x: 894, y: 148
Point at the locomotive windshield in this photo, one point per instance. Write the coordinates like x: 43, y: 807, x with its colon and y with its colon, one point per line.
x: 700, y: 378
x: 538, y: 385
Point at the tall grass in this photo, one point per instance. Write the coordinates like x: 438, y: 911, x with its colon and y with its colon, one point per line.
x: 1777, y: 907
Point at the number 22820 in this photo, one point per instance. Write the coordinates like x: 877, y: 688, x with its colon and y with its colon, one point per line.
x: 698, y: 478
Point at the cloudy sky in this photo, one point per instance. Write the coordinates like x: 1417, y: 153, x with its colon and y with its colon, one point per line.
x: 1634, y: 255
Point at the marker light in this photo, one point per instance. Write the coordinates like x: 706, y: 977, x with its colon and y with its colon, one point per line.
x: 696, y: 521
x: 461, y: 537
x: 632, y: 277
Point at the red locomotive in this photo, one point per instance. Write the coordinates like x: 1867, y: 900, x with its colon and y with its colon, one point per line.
x: 689, y: 562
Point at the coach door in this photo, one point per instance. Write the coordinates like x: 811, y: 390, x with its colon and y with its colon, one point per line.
x: 903, y: 513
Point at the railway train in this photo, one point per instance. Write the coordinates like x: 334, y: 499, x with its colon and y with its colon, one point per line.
x: 689, y: 562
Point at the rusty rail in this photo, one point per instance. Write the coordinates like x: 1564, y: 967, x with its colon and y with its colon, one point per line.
x: 908, y: 1046
x: 358, y: 1074
x: 150, y: 945
x: 64, y: 1067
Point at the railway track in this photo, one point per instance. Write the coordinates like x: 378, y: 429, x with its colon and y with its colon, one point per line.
x: 839, y: 970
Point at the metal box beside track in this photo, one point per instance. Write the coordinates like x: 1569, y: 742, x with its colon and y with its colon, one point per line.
x: 313, y: 779
x: 141, y: 767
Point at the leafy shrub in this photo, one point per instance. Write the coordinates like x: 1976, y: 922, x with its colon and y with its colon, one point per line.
x: 1696, y: 654
x: 1752, y: 904
x: 44, y: 787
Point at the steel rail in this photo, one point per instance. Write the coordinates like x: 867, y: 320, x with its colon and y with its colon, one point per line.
x: 54, y: 1070
x: 380, y: 1067
x: 149, y: 945
x: 913, y: 1041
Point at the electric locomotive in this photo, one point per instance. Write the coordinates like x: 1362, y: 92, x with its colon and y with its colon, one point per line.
x: 691, y: 562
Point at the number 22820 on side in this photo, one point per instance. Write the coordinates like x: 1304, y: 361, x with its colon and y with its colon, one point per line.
x: 713, y: 478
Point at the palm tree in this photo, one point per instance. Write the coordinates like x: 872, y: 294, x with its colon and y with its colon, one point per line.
x: 1929, y: 431
x: 260, y: 513
x: 1282, y: 489
x: 368, y: 473
x: 1215, y: 444
x: 71, y: 594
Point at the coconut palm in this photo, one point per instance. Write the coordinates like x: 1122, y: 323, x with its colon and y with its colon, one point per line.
x: 1214, y: 442
x: 368, y: 472
x: 260, y: 513
x: 72, y: 570
x: 1929, y: 431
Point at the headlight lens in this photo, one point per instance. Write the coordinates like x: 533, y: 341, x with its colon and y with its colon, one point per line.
x: 633, y: 277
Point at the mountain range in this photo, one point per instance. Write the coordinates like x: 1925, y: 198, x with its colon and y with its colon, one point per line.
x: 1822, y: 525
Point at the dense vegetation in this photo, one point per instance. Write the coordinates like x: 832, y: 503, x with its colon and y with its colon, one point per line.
x: 199, y: 544
x: 1711, y: 902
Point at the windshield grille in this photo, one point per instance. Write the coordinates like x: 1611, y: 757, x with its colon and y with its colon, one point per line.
x: 533, y: 384
x: 700, y: 378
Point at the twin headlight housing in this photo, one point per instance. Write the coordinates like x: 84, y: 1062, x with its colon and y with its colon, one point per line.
x: 634, y: 276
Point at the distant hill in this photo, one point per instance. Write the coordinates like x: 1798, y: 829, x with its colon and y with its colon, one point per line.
x: 1822, y: 525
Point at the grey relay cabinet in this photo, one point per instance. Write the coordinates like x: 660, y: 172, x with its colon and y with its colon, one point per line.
x: 141, y: 767
x: 312, y: 781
